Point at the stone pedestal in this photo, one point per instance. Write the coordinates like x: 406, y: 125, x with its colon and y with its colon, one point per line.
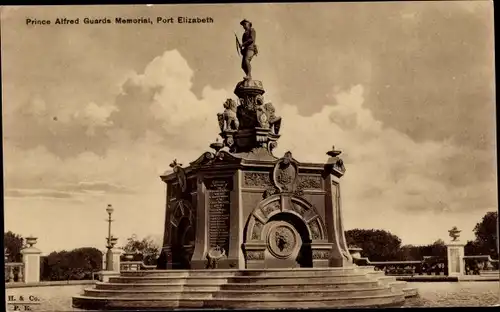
x: 455, y: 256
x: 105, y: 275
x: 31, y: 261
x: 116, y: 252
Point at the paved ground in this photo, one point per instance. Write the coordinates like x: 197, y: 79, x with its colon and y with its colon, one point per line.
x: 449, y: 294
x: 442, y: 294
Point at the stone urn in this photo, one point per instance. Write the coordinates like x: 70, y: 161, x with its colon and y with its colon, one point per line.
x: 129, y: 256
x: 355, y: 252
x: 30, y: 241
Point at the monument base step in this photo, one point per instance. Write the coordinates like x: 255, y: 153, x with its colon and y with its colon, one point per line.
x: 112, y: 303
x: 245, y: 289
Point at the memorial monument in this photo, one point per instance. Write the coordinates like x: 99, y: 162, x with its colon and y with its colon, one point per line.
x: 265, y: 211
x: 245, y: 228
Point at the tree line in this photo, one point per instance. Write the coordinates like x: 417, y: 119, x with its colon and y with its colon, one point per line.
x: 377, y: 245
x: 381, y: 245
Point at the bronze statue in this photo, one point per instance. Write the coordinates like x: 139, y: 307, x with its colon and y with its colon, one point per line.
x: 248, y: 48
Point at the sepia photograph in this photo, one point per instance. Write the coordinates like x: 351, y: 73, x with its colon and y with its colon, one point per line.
x: 249, y: 156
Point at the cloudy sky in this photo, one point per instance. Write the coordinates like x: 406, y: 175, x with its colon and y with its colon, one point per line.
x: 93, y: 114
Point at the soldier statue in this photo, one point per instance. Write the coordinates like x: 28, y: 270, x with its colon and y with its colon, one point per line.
x: 247, y: 48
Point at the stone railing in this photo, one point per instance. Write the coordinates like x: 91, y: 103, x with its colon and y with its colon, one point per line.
x: 135, y: 266
x: 14, y: 272
x: 427, y: 266
x: 430, y: 265
x: 475, y: 264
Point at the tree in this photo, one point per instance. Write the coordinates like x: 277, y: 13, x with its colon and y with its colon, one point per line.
x: 147, y: 249
x: 377, y: 245
x: 14, y: 243
x: 77, y: 264
x: 486, y: 234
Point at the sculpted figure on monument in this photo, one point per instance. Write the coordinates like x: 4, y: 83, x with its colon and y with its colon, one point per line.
x: 228, y: 119
x: 179, y: 172
x: 247, y: 48
x: 246, y: 115
x: 274, y: 121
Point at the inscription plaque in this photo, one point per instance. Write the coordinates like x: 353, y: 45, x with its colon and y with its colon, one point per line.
x: 219, y: 204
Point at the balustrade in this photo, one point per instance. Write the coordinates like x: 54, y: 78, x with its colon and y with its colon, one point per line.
x: 475, y: 264
x: 135, y: 266
x: 14, y: 272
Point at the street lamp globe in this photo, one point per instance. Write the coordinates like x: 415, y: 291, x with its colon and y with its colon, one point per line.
x: 109, y: 209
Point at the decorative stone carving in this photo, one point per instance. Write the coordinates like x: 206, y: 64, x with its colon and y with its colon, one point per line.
x: 315, y: 230
x: 181, y: 208
x: 454, y: 233
x: 214, y: 255
x: 180, y: 174
x: 298, y: 209
x: 335, y: 164
x: 257, y: 229
x: 270, y: 191
x: 273, y: 120
x: 285, y: 173
x: 309, y: 182
x: 228, y: 119
x: 255, y: 255
x: 269, y: 208
x: 257, y: 179
x: 282, y: 241
x: 320, y: 254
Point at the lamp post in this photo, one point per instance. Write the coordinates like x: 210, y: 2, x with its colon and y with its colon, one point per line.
x: 111, y: 241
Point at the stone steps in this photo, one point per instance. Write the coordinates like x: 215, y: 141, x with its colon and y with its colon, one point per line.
x: 237, y: 279
x: 490, y: 273
x: 244, y: 289
x: 317, y: 286
x: 302, y: 272
x: 108, y: 303
x: 241, y: 294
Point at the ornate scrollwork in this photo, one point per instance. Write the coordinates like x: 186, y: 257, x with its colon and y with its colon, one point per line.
x: 315, y: 230
x: 285, y: 173
x: 320, y: 254
x: 309, y: 182
x: 269, y: 208
x: 257, y: 229
x: 270, y: 191
x: 255, y: 255
x: 257, y: 179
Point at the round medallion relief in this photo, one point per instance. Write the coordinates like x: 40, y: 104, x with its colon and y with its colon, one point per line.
x: 282, y: 240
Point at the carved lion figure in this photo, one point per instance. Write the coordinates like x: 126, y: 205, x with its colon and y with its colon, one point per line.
x: 228, y: 119
x: 274, y: 121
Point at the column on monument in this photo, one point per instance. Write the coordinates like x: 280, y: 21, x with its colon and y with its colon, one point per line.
x: 164, y: 261
x: 235, y: 255
x: 198, y: 260
x: 339, y: 256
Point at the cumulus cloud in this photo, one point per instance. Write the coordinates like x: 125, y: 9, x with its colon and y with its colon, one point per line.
x: 127, y: 144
